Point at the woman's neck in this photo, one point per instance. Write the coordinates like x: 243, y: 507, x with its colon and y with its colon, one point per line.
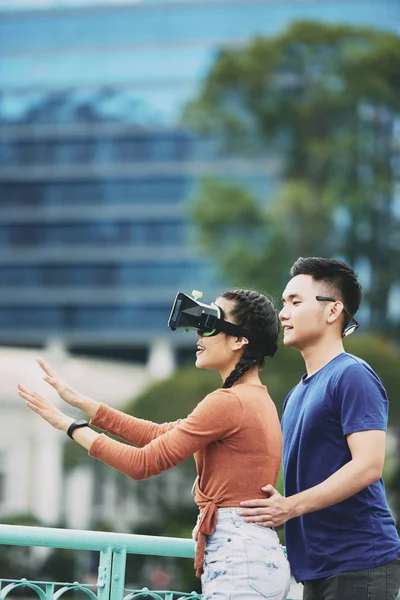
x: 251, y: 377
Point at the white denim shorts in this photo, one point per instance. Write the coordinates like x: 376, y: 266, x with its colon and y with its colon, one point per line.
x: 243, y: 561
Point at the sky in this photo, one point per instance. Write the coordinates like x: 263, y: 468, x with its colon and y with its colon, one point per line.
x: 40, y: 4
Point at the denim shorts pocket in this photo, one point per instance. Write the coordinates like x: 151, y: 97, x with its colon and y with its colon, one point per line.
x: 268, y: 572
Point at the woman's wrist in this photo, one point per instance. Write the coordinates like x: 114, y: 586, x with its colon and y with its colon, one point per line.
x: 89, y: 406
x: 65, y: 424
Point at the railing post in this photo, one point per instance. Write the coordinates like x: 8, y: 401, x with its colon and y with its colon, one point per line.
x: 118, y: 574
x: 104, y: 574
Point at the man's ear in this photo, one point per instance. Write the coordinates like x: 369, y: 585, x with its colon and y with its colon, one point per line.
x: 336, y: 309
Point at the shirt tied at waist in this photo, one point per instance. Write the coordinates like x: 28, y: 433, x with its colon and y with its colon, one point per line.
x: 206, y: 526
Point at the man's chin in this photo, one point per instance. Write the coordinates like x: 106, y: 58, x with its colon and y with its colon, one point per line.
x: 289, y: 341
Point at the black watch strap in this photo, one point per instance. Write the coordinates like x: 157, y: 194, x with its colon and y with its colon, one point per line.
x: 76, y: 425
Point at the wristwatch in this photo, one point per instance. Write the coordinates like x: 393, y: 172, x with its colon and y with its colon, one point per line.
x: 76, y: 425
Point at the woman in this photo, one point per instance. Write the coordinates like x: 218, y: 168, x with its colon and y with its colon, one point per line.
x: 234, y: 435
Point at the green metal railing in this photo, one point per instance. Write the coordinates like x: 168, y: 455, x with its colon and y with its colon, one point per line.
x: 113, y: 548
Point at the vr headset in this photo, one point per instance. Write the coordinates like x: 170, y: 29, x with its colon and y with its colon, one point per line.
x: 208, y: 319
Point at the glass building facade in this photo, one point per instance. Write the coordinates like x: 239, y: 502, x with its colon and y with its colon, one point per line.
x: 96, y: 172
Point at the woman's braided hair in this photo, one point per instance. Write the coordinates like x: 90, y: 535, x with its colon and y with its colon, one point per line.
x: 256, y: 313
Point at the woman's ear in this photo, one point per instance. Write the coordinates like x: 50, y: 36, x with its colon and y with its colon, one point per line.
x: 240, y: 343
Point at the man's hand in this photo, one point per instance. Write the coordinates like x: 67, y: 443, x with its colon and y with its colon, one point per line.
x: 269, y: 512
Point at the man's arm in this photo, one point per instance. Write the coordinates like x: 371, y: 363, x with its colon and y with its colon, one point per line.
x: 367, y: 450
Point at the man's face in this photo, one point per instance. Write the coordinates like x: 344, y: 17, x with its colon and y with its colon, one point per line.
x: 302, y: 316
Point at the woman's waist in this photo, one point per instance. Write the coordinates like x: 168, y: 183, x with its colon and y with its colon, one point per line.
x: 228, y: 513
x: 224, y: 499
x: 229, y: 520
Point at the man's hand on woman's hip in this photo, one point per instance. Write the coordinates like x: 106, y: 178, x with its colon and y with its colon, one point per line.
x: 269, y: 512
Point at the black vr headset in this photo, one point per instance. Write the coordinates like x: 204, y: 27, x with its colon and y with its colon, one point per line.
x: 208, y: 319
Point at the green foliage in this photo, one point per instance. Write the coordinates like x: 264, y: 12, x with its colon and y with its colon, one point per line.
x: 75, y: 455
x: 174, y: 398
x: 325, y: 99
x: 235, y: 208
x: 20, y: 519
x: 60, y: 565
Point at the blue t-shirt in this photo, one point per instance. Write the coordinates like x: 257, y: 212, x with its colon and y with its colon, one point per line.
x: 343, y: 397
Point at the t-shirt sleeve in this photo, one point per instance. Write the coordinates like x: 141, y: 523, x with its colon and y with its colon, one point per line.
x: 361, y: 400
x: 135, y: 431
x: 216, y: 417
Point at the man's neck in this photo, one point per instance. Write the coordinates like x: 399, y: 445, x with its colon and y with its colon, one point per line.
x: 316, y: 357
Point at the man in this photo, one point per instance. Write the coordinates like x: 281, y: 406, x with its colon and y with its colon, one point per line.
x: 340, y: 536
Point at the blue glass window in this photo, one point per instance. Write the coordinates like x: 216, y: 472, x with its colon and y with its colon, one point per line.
x: 103, y: 233
x: 139, y: 317
x: 185, y: 273
x: 141, y: 190
x: 29, y: 318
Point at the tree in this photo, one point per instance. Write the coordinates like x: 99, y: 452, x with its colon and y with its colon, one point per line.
x: 326, y: 100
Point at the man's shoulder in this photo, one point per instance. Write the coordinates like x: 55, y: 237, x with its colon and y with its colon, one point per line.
x: 351, y: 365
x: 343, y: 364
x: 344, y: 367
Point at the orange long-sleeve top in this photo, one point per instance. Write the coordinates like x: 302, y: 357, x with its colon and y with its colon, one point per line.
x: 234, y: 435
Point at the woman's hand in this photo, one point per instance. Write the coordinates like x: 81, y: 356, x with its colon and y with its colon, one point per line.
x: 66, y: 392
x: 47, y: 411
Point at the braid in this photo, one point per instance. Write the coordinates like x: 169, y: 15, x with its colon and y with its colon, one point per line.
x: 242, y: 366
x: 255, y: 312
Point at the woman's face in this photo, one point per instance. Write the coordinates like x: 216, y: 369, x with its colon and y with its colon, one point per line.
x: 220, y: 352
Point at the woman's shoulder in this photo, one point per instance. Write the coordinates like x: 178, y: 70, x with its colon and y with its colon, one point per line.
x: 249, y: 389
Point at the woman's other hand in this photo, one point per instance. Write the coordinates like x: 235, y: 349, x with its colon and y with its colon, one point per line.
x: 47, y: 411
x: 66, y: 392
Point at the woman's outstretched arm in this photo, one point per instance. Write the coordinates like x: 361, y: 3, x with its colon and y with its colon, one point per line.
x: 135, y: 431
x: 217, y: 416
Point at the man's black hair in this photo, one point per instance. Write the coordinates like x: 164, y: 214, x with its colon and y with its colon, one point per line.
x: 338, y: 276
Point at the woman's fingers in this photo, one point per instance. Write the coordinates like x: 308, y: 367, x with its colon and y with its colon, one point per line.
x: 50, y: 373
x: 24, y: 396
x: 32, y: 397
x: 23, y: 389
x: 25, y: 393
x: 33, y: 407
x: 45, y: 366
x: 39, y: 405
x: 53, y: 382
x: 51, y: 377
x: 45, y: 409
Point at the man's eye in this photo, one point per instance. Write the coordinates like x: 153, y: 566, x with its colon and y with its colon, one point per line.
x: 296, y: 302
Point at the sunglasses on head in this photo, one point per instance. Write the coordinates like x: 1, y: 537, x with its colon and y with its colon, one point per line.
x: 350, y: 328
